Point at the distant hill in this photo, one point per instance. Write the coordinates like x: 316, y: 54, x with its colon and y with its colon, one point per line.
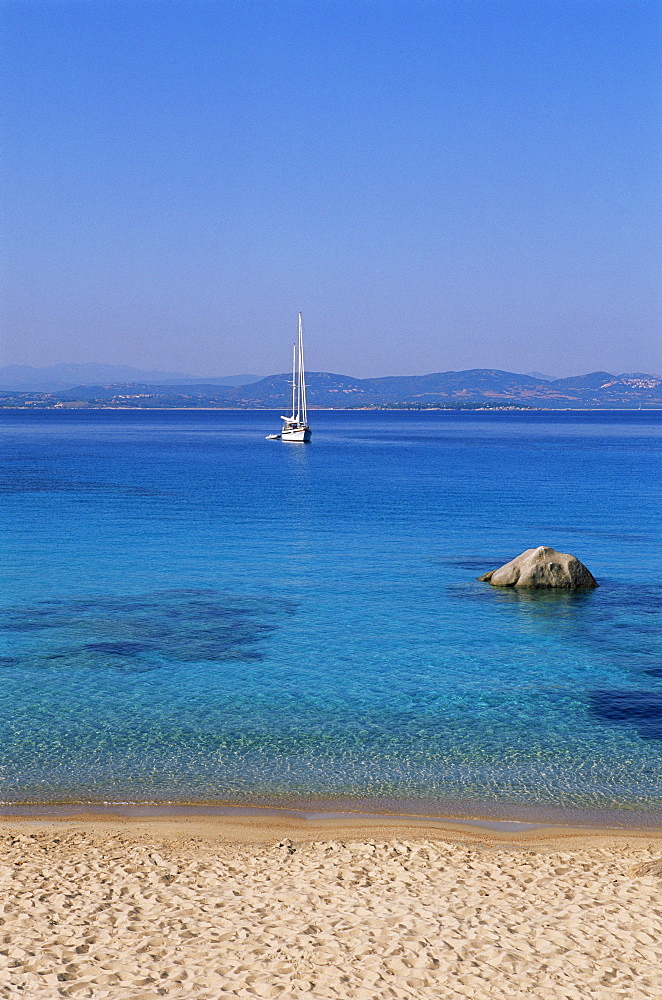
x: 25, y: 378
x: 478, y: 387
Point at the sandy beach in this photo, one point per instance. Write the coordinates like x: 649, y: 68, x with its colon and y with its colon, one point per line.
x: 370, y: 909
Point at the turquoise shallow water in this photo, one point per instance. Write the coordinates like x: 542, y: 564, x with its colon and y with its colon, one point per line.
x: 190, y: 613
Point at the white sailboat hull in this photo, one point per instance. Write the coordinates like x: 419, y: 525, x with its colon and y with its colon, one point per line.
x: 299, y: 434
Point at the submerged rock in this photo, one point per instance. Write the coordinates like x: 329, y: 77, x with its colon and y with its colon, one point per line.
x: 542, y: 567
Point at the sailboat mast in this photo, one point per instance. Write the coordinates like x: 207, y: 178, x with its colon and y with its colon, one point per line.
x: 294, y: 375
x: 302, y: 377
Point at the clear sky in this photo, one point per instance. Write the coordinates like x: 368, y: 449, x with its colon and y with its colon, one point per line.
x: 436, y: 184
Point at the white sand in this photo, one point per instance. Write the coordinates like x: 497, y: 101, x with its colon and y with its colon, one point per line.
x: 178, y: 910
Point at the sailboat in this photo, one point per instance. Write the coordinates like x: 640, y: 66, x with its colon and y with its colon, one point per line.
x: 295, y: 428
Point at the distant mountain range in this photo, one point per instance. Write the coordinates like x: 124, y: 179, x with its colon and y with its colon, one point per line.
x: 25, y: 378
x: 482, y: 387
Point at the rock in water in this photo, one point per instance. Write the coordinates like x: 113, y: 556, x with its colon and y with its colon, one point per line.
x: 542, y: 567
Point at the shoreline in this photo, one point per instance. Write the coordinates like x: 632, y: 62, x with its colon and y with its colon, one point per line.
x: 232, y: 823
x: 262, y: 832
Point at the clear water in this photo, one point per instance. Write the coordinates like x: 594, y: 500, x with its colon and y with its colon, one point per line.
x: 191, y: 613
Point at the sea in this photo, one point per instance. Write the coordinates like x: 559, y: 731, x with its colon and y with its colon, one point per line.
x: 194, y: 616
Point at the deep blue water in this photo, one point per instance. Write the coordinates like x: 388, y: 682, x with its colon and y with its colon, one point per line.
x: 192, y: 613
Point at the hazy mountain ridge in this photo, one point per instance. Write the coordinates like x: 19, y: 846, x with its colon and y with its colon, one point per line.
x: 480, y: 385
x: 474, y: 387
x: 54, y: 378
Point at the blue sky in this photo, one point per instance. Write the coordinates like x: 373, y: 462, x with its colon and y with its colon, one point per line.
x: 436, y: 185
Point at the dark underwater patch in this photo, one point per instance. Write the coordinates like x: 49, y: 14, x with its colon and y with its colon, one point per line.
x: 640, y: 709
x: 614, y: 536
x: 473, y: 564
x: 118, y: 648
x: 145, y: 632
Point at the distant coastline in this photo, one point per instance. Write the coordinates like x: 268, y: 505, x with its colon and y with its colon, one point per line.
x: 479, y: 388
x: 478, y: 407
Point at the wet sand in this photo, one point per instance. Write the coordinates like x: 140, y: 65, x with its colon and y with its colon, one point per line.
x: 358, y: 907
